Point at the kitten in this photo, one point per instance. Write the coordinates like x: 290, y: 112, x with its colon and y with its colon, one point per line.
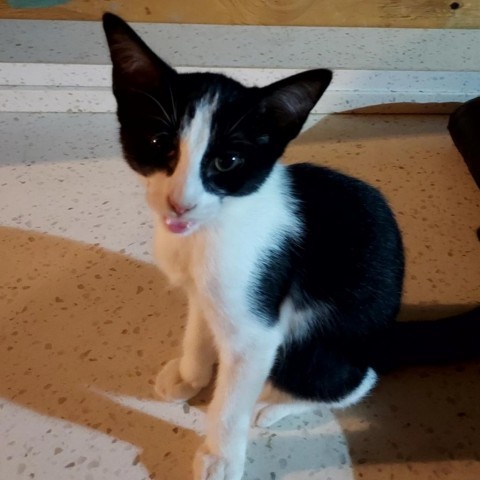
x: 293, y: 274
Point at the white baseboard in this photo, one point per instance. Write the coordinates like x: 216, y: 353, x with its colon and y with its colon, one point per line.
x: 86, y: 88
x: 40, y: 73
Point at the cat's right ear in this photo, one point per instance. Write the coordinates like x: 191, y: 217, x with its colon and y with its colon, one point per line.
x: 135, y: 65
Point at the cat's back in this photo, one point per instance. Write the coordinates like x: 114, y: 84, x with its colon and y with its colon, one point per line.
x: 310, y: 182
x: 332, y: 204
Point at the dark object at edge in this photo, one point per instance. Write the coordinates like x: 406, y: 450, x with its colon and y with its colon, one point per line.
x: 464, y: 128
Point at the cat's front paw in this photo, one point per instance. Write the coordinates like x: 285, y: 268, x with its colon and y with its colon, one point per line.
x: 171, y: 387
x: 208, y: 466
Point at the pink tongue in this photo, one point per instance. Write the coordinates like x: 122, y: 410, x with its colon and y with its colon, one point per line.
x: 176, y: 226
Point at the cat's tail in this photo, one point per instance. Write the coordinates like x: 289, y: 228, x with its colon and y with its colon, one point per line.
x: 448, y: 340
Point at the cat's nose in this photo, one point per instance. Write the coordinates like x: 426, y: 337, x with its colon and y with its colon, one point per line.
x: 178, y: 207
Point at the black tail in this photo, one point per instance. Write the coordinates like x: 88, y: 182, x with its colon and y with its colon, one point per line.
x: 449, y: 340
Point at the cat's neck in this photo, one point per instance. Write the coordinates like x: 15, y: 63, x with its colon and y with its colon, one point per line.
x: 271, y: 192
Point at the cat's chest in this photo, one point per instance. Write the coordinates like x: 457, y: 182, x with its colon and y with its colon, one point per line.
x: 221, y: 264
x: 212, y: 262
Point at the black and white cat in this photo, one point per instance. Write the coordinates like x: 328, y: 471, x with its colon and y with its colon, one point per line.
x: 293, y: 274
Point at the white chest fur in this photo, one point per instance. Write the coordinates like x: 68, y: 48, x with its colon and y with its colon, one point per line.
x: 218, y: 262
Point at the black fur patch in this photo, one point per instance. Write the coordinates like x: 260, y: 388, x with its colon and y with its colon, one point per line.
x: 272, y: 281
x: 350, y: 262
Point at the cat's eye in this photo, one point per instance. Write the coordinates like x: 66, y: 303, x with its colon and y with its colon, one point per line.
x: 159, y: 140
x: 163, y: 144
x: 228, y: 162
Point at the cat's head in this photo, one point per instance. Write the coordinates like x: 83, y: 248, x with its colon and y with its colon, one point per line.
x: 200, y: 138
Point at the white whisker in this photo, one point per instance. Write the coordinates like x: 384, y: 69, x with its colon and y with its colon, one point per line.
x: 174, y: 108
x: 167, y: 116
x: 161, y: 119
x: 238, y: 122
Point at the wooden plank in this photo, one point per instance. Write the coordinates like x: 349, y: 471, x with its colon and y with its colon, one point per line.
x: 342, y: 13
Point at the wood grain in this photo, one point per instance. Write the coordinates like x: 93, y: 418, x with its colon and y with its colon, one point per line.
x: 338, y: 13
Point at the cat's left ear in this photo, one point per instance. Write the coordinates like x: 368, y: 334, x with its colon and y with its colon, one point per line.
x: 289, y: 101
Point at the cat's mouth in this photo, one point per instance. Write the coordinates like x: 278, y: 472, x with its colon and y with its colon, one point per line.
x: 179, y: 226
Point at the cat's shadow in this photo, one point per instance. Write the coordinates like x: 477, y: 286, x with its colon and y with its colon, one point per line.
x: 83, y: 324
x: 80, y: 323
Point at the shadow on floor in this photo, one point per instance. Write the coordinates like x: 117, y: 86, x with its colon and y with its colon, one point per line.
x: 358, y: 127
x: 75, y: 319
x: 425, y: 419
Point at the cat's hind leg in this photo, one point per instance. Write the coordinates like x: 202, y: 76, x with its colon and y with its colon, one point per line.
x: 182, y: 378
x: 274, y: 405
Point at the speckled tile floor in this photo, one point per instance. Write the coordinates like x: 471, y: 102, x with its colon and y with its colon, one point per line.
x: 86, y: 320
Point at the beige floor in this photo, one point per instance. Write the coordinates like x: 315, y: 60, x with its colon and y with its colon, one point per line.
x: 86, y: 320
